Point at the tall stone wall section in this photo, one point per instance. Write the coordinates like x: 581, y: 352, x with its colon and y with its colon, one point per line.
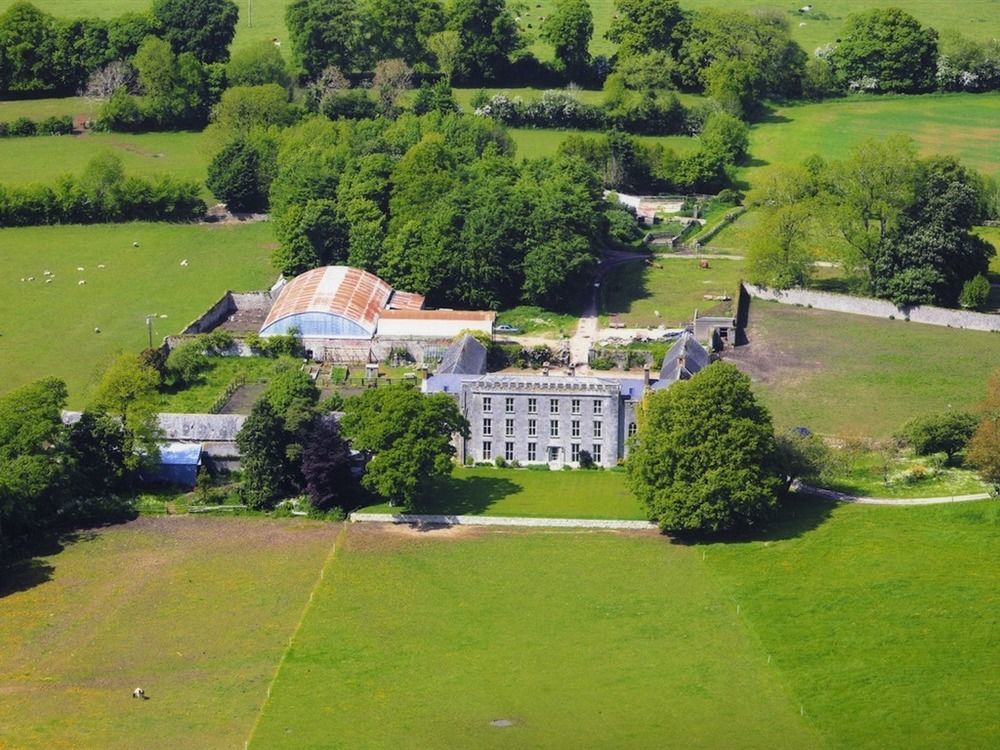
x: 877, y: 308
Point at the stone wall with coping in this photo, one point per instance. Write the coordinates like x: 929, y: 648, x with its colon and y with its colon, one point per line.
x: 446, y: 520
x: 877, y: 308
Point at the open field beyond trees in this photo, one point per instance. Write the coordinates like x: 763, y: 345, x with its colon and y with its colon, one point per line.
x: 197, y: 611
x: 974, y: 18
x: 963, y: 125
x: 41, y: 159
x: 851, y: 375
x: 48, y: 329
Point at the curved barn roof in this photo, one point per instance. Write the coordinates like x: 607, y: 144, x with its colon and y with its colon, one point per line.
x: 355, y: 296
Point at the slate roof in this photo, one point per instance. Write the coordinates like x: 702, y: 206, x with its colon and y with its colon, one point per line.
x: 695, y: 358
x: 466, y: 356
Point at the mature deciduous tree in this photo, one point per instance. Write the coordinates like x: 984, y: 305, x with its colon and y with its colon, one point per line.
x: 946, y: 433
x: 408, y: 436
x: 234, y: 177
x: 202, y: 27
x: 326, y: 466
x: 488, y: 36
x: 704, y: 458
x: 323, y: 33
x: 888, y: 47
x: 256, y: 65
x: 568, y: 28
x: 642, y: 26
x: 127, y: 392
x: 261, y: 441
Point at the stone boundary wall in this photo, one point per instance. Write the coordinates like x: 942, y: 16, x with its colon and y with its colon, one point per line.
x: 445, y: 520
x: 877, y: 308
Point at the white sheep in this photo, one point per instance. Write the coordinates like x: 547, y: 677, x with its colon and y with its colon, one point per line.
x: 101, y: 265
x: 135, y: 243
x: 80, y: 268
x: 184, y: 262
x: 81, y: 282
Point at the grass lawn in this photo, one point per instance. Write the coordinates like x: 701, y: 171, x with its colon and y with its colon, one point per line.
x: 196, y: 611
x: 964, y: 125
x: 524, y: 492
x: 421, y: 639
x: 39, y: 109
x: 537, y: 320
x: 48, y: 329
x: 675, y: 289
x: 881, y: 622
x: 43, y: 158
x: 851, y: 375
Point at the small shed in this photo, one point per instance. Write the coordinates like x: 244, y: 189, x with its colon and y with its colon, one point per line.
x: 178, y: 464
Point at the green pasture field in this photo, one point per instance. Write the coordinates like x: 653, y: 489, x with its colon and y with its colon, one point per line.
x: 673, y: 287
x: 880, y: 621
x: 422, y: 638
x: 963, y: 125
x: 976, y: 19
x: 195, y: 610
x: 39, y: 109
x: 48, y: 329
x: 851, y: 375
x: 41, y: 159
x: 482, y: 491
x: 865, y: 474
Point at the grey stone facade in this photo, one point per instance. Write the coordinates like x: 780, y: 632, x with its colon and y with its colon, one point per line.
x: 552, y: 417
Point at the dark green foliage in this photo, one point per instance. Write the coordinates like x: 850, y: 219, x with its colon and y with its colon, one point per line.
x: 802, y: 456
x: 326, y: 467
x: 256, y: 65
x: 310, y: 235
x: 234, y: 177
x: 408, y: 436
x: 622, y: 223
x: 940, y: 433
x: 186, y: 363
x: 975, y: 293
x: 97, y: 443
x: 885, y: 49
x: 354, y: 104
x: 33, y: 471
x: 568, y: 29
x: 488, y: 36
x: 704, y: 458
x: 324, y: 32
x: 262, y: 456
x: 203, y: 27
x: 243, y: 108
x: 401, y: 28
x: 435, y: 97
x: 29, y: 40
x: 176, y: 94
x: 643, y: 26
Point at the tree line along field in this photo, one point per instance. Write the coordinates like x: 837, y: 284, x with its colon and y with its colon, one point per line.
x: 976, y: 19
x: 48, y: 329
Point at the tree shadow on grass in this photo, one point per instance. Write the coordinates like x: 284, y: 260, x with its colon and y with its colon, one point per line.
x: 472, y: 495
x: 622, y: 287
x: 27, y: 568
x: 799, y: 515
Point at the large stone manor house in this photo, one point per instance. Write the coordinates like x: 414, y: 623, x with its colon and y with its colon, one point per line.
x: 548, y: 416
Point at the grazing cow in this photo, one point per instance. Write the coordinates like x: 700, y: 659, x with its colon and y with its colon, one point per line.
x: 139, y: 693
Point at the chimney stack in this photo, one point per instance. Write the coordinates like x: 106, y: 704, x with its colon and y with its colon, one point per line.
x: 545, y: 368
x: 645, y: 376
x: 572, y: 369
